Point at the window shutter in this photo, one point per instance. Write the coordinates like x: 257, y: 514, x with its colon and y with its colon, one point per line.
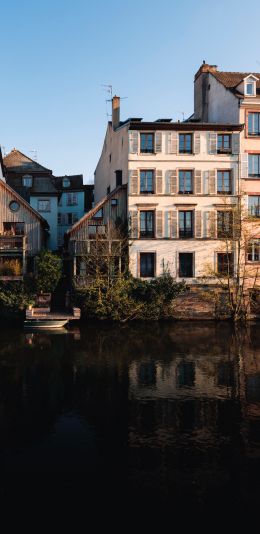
x: 197, y: 184
x: 196, y: 143
x: 159, y: 182
x: 133, y: 142
x: 236, y: 223
x: 211, y: 227
x: 167, y: 225
x: 159, y: 224
x: 134, y: 224
x: 206, y: 182
x: 172, y: 143
x: 158, y: 141
x: 234, y: 180
x: 244, y: 165
x: 197, y: 223
x: 173, y: 224
x: 212, y: 182
x: 235, y: 143
x: 134, y: 182
x: 212, y: 143
x: 173, y: 182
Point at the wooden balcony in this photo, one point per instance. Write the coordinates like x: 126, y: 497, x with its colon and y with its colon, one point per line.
x: 13, y: 244
x: 102, y: 247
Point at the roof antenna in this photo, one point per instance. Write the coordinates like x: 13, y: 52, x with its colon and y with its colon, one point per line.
x: 34, y: 154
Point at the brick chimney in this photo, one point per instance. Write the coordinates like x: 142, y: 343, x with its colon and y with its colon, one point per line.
x: 202, y: 91
x: 115, y: 111
x: 205, y: 67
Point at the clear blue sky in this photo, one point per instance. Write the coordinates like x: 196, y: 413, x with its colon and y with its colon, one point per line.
x: 56, y: 54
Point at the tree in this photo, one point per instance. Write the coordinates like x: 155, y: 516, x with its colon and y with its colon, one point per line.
x: 49, y: 271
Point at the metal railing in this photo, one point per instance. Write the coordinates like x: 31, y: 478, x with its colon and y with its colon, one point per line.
x: 13, y: 242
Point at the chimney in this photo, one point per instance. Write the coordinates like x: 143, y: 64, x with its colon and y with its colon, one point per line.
x: 115, y: 111
x: 205, y: 67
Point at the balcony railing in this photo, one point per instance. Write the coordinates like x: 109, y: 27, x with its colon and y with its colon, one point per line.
x: 13, y: 243
x: 102, y: 247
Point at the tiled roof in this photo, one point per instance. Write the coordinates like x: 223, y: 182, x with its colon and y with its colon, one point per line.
x: 232, y: 79
x: 40, y: 185
x: 76, y: 182
x: 18, y: 162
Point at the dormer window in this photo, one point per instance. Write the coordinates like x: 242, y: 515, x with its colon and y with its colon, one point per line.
x: 66, y: 182
x: 250, y: 85
x: 27, y: 180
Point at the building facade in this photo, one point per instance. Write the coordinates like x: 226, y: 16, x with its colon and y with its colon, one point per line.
x: 182, y: 190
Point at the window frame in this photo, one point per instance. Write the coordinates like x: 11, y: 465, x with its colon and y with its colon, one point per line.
x: 192, y: 254
x: 221, y: 232
x: 47, y: 201
x: 252, y: 112
x: 146, y: 191
x: 186, y: 134
x: 258, y: 206
x: 253, y: 243
x: 228, y: 272
x: 186, y: 234
x: 254, y: 176
x: 72, y: 195
x: 154, y: 264
x: 191, y: 171
x: 223, y: 171
x: 27, y: 178
x: 145, y: 234
x: 224, y: 150
x: 146, y: 150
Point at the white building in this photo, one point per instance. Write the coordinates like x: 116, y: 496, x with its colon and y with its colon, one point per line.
x: 182, y: 182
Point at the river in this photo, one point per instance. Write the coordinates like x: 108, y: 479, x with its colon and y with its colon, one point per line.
x: 151, y: 417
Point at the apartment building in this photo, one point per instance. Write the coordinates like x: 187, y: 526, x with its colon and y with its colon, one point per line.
x: 235, y: 97
x: 182, y: 187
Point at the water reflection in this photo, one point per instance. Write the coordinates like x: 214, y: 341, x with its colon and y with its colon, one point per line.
x: 154, y: 414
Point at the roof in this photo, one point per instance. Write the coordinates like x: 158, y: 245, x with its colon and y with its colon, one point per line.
x: 18, y: 162
x: 41, y: 185
x: 76, y: 182
x: 25, y: 204
x: 230, y: 80
x: 94, y: 210
x: 185, y: 126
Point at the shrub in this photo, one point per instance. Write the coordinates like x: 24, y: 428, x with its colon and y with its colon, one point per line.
x: 49, y: 271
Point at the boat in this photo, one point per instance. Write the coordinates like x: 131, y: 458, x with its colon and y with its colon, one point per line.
x: 44, y: 319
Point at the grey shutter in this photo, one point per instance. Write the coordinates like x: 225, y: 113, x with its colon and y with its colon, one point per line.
x: 197, y: 223
x: 133, y: 224
x: 212, y: 143
x: 133, y: 142
x: 212, y: 182
x: 172, y: 143
x: 158, y: 141
x: 167, y: 225
x: 211, y: 229
x: 197, y: 183
x: 235, y: 143
x: 167, y: 183
x: 206, y: 182
x: 134, y: 182
x: 173, y: 182
x: 159, y: 224
x: 159, y: 183
x: 234, y: 181
x: 244, y: 165
x: 173, y: 224
x: 196, y: 143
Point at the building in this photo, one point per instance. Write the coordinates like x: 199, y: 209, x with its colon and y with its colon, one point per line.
x: 235, y: 97
x: 74, y: 201
x: 36, y: 185
x: 23, y: 233
x: 182, y: 188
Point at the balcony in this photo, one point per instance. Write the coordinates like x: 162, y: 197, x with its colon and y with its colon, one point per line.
x: 13, y: 243
x: 102, y: 247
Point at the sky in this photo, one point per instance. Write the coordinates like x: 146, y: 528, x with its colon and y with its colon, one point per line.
x: 57, y: 56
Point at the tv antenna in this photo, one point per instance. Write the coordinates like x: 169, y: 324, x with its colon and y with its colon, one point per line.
x: 34, y: 154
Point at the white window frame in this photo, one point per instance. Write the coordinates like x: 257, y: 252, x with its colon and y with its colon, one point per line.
x: 47, y: 200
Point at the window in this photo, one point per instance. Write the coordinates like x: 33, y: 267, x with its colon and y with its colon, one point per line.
x: 254, y: 206
x: 185, y: 143
x: 13, y: 228
x: 147, y: 264
x: 225, y: 263
x: 27, y: 180
x: 65, y: 182
x: 67, y: 219
x: 224, y: 144
x: 146, y: 181
x: 113, y: 202
x: 14, y: 206
x: 186, y: 265
x: 146, y: 223
x: 253, y: 251
x: 253, y: 123
x: 108, y: 189
x: 44, y: 205
x: 185, y: 223
x: 250, y: 88
x: 98, y: 214
x: 72, y: 199
x: 225, y: 224
x: 147, y: 143
x: 185, y: 182
x: 118, y: 178
x: 254, y: 165
x: 224, y: 183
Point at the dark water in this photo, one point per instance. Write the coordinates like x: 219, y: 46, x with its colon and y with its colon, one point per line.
x: 154, y: 420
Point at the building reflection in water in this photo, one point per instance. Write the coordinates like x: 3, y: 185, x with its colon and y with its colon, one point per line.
x: 168, y: 412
